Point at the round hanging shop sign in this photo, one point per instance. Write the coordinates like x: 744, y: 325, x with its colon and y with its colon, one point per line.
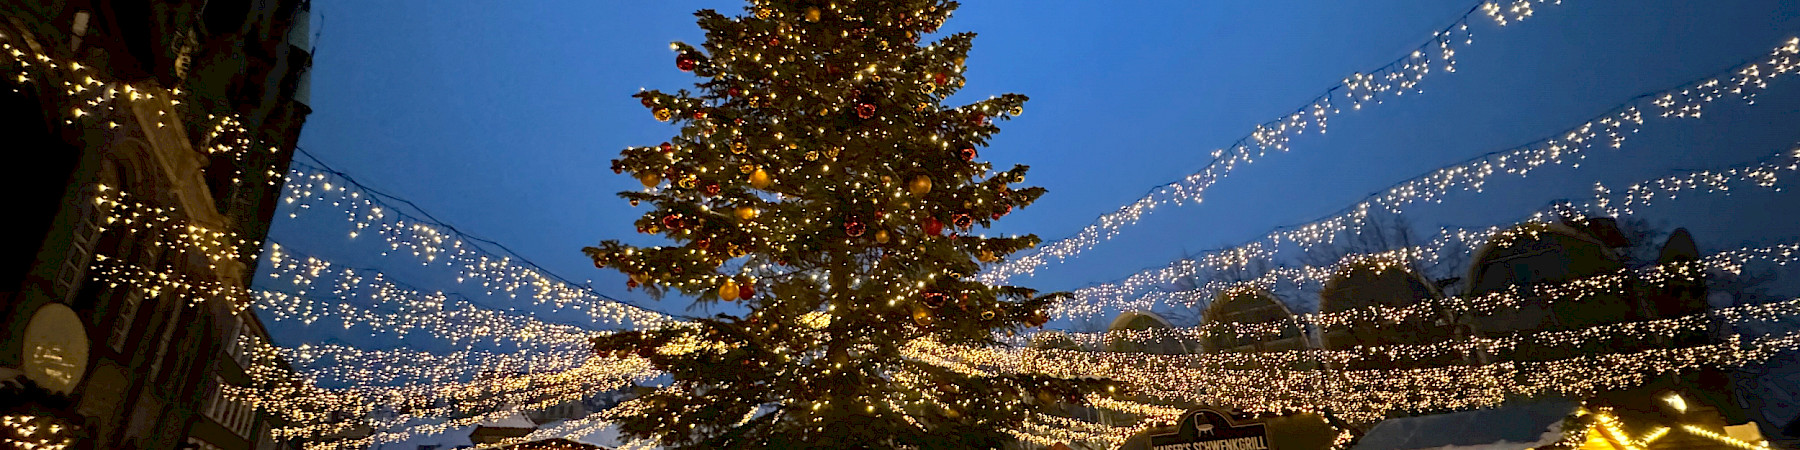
x: 55, y: 348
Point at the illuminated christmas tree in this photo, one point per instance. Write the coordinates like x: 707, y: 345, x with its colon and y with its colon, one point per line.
x: 819, y: 181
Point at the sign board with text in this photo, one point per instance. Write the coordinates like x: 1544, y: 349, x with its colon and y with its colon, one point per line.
x: 1205, y: 429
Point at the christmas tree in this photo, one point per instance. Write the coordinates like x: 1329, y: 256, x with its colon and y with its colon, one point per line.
x: 819, y: 180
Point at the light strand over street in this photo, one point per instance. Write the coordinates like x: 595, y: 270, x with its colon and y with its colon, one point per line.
x: 1686, y: 101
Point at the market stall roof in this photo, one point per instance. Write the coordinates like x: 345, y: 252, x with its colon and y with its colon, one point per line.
x: 1515, y: 426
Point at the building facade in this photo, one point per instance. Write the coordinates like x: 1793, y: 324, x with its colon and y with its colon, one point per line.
x: 149, y: 143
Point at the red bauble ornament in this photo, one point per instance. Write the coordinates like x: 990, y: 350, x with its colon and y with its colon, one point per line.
x: 732, y: 92
x: 699, y: 115
x: 686, y: 62
x: 979, y: 119
x: 668, y: 148
x: 631, y: 284
x: 865, y: 110
x: 712, y: 189
x: 932, y: 226
x: 934, y: 300
x: 854, y: 227
x: 940, y: 79
x: 746, y: 289
x: 598, y: 264
x: 774, y: 42
x: 968, y: 154
x: 672, y: 222
x: 962, y: 221
x: 647, y: 101
x: 618, y: 167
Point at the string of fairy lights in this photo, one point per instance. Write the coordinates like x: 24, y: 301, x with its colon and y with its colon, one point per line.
x: 1390, y: 81
x: 1621, y: 333
x: 1741, y: 82
x: 433, y: 242
x: 409, y: 308
x: 1129, y: 294
x: 1368, y: 395
x: 1567, y: 147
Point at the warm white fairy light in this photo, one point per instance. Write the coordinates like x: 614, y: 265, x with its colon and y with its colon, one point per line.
x: 1730, y: 261
x: 405, y: 309
x: 1367, y: 395
x: 433, y: 243
x: 1646, y: 330
x: 1741, y: 82
x: 1124, y: 294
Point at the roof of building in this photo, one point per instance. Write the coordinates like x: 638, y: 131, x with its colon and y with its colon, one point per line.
x: 1515, y: 426
x: 514, y: 420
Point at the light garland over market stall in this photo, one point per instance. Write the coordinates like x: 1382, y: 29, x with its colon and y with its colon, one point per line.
x: 1368, y: 395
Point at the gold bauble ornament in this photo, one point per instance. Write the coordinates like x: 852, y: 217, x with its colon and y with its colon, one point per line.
x: 812, y: 155
x: 728, y: 291
x: 987, y: 314
x: 664, y: 114
x: 881, y: 236
x: 687, y: 183
x: 747, y: 168
x: 745, y: 213
x: 812, y: 14
x: 649, y: 179
x: 763, y: 13
x: 920, y: 185
x: 739, y: 147
x: 988, y: 256
x: 760, y: 179
x: 921, y: 315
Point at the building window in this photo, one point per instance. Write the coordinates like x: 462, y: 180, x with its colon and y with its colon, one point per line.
x: 233, y: 414
x: 128, y: 311
x: 162, y: 344
x: 234, y: 342
x: 81, y: 246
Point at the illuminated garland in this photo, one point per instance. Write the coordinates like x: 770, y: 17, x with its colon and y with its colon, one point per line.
x: 1367, y: 395
x: 459, y: 322
x: 152, y: 283
x: 368, y: 369
x: 1640, y: 331
x: 1731, y: 261
x: 1763, y: 175
x: 163, y: 227
x: 95, y: 96
x: 436, y: 243
x: 1095, y: 300
x: 486, y: 398
x: 1686, y: 101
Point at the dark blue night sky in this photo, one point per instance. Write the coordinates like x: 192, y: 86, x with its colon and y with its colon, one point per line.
x: 500, y: 117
